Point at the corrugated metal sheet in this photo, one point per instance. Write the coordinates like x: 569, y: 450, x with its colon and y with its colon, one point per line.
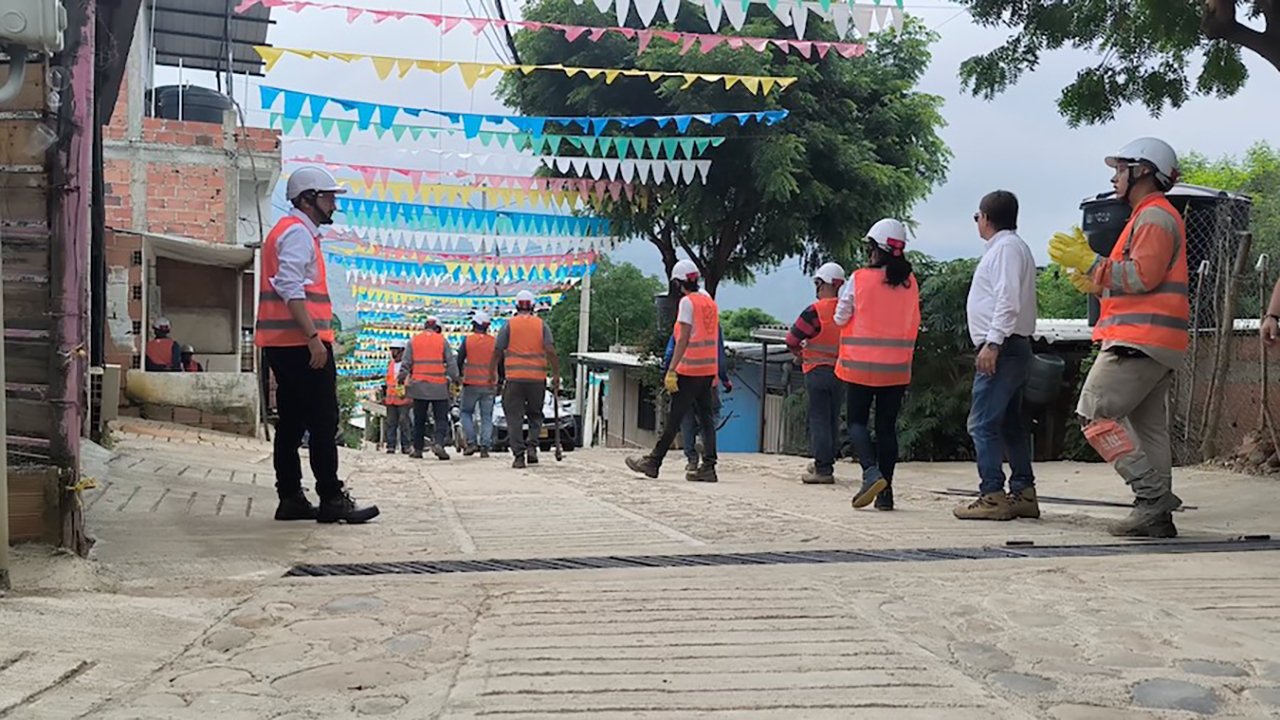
x: 202, y: 32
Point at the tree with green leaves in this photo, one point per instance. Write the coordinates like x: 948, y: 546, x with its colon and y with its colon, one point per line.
x: 1256, y: 174
x: 860, y: 142
x: 739, y: 324
x: 1145, y: 51
x: 1057, y: 298
x: 622, y: 311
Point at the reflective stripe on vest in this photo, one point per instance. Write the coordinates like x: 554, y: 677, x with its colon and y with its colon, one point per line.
x: 878, y: 343
x: 275, y: 326
x: 395, y: 391
x: 702, y: 355
x: 824, y: 349
x: 525, y: 357
x: 160, y: 352
x: 479, y: 358
x: 427, y: 349
x: 1160, y: 317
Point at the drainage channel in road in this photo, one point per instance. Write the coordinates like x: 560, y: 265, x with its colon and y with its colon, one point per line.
x: 1012, y: 551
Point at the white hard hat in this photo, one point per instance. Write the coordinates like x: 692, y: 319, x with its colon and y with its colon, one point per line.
x: 312, y: 178
x: 1154, y: 151
x: 397, y: 345
x: 480, y: 318
x: 161, y: 322
x: 685, y: 270
x: 524, y: 297
x: 830, y: 273
x: 433, y: 320
x: 889, y: 235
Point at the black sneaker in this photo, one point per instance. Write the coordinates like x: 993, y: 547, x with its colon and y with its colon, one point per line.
x: 342, y: 508
x: 392, y: 451
x: 518, y: 463
x: 884, y: 501
x: 295, y: 507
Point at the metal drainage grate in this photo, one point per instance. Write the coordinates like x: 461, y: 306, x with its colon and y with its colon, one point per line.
x: 1015, y: 550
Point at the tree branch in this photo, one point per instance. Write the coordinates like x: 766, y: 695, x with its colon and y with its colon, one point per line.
x: 1219, y: 23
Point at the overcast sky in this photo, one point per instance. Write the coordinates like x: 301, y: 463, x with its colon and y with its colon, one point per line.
x: 1017, y: 142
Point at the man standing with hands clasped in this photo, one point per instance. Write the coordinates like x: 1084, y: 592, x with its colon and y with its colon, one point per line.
x: 1002, y: 317
x: 295, y: 329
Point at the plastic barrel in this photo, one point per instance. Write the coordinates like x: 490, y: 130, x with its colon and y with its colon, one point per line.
x: 1045, y: 380
x: 198, y: 104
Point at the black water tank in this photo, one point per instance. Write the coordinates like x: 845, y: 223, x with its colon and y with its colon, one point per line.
x: 1214, y: 219
x: 198, y: 104
x: 665, y: 305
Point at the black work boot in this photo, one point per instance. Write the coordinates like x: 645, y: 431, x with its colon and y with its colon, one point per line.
x: 1151, y: 517
x: 342, y: 508
x: 484, y: 453
x: 519, y: 463
x: 705, y: 473
x: 295, y: 507
x: 416, y: 454
x: 533, y: 456
x: 884, y: 501
x: 441, y: 453
x: 645, y: 465
x: 471, y: 450
x: 391, y: 451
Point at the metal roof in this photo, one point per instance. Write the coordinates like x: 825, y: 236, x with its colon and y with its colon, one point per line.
x: 198, y: 33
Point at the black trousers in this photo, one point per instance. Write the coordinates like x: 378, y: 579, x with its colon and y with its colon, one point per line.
x: 523, y: 400
x: 883, y: 452
x: 439, y: 414
x: 307, y: 402
x: 695, y: 394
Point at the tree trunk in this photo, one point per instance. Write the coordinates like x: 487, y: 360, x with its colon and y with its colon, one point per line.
x: 1219, y: 23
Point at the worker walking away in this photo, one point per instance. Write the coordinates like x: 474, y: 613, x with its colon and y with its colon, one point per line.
x: 689, y: 428
x: 690, y: 378
x: 398, y: 404
x: 479, y: 385
x: 189, y: 362
x: 1143, y: 330
x: 879, y: 316
x: 815, y: 340
x: 525, y: 349
x: 1001, y: 311
x: 164, y: 354
x: 295, y: 329
x: 428, y: 368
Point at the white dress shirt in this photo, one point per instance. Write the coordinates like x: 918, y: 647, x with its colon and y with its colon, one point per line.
x: 844, y: 305
x: 1002, y: 298
x: 296, y: 251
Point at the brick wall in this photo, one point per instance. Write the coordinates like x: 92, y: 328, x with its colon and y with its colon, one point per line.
x: 1241, y: 392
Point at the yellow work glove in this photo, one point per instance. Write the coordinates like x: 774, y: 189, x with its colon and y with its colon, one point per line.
x: 671, y: 382
x: 1072, y: 251
x: 1082, y: 282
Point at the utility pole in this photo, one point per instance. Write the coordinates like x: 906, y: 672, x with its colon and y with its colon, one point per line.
x: 584, y: 342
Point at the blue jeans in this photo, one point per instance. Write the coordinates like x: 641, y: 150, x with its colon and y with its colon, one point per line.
x: 996, y: 423
x: 471, y: 398
x: 689, y: 427
x: 823, y: 390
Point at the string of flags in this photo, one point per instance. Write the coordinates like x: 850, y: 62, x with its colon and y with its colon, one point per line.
x: 378, y: 174
x: 687, y: 41
x: 294, y: 102
x: 642, y: 171
x: 365, y: 268
x: 471, y: 243
x: 385, y: 213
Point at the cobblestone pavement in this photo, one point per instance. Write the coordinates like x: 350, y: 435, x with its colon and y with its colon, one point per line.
x: 184, y: 611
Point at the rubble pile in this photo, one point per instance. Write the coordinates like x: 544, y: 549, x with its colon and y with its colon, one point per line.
x: 1256, y: 455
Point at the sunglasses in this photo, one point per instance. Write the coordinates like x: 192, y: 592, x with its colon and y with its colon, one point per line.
x: 977, y: 216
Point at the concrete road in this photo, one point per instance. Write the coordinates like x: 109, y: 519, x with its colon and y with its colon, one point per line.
x: 184, y: 610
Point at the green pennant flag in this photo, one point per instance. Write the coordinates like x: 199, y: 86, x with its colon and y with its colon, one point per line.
x: 326, y: 126
x: 773, y: 4
x: 503, y: 139
x: 308, y: 125
x: 622, y: 144
x: 826, y: 4
x: 344, y: 130
x: 485, y: 136
x: 379, y: 130
x: 287, y: 123
x: 554, y: 141
x: 589, y: 144
x: 717, y: 141
x: 538, y: 144
x: 272, y: 120
x: 669, y: 147
x: 398, y: 132
x: 415, y: 132
x: 653, y: 144
x: 701, y: 144
x: 433, y: 132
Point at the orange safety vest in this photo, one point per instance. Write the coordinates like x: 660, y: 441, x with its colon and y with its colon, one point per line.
x: 824, y: 349
x: 275, y: 325
x: 395, y: 391
x: 877, y: 345
x: 193, y: 366
x: 479, y: 357
x: 526, y: 356
x: 702, y: 354
x: 160, y: 352
x: 428, y: 358
x: 1160, y: 317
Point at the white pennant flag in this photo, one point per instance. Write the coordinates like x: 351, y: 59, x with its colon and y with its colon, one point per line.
x: 563, y: 164
x: 603, y: 5
x: 703, y: 166
x: 579, y: 166
x: 623, y: 7
x: 782, y: 12
x: 882, y: 17
x: 841, y: 15
x: 686, y: 173
x: 713, y: 10
x: 670, y: 8
x: 800, y: 16
x: 628, y: 169
x: 595, y: 166
x: 660, y: 172
x: 862, y: 19
x: 523, y: 244
x: 736, y: 13
x: 647, y: 10
x: 895, y: 18
x: 419, y: 240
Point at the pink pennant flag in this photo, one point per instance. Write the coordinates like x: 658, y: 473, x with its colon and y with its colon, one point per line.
x: 804, y: 46
x: 630, y: 190
x: 244, y: 6
x: 573, y: 32
x: 383, y: 174
x: 477, y: 25
x: 298, y: 6
x: 600, y: 191
x: 850, y: 51
x: 380, y: 15
x: 597, y: 33
x: 449, y: 22
x: 823, y: 48
x: 668, y: 35
x: 628, y: 33
x: 370, y: 174
x: 526, y: 183
x: 757, y: 44
x: 353, y: 13
x: 431, y: 18
x: 645, y: 36
x: 688, y: 43
x: 735, y: 42
x: 707, y: 43
x: 415, y: 177
x: 615, y: 190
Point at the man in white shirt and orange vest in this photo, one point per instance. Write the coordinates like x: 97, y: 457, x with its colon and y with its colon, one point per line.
x: 525, y: 349
x: 691, y: 376
x: 1143, y: 330
x: 815, y: 340
x: 479, y: 385
x: 428, y: 368
x: 1001, y: 312
x: 397, y: 403
x: 295, y: 329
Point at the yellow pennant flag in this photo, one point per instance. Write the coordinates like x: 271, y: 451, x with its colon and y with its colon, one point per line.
x: 270, y: 56
x: 751, y: 84
x: 610, y: 76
